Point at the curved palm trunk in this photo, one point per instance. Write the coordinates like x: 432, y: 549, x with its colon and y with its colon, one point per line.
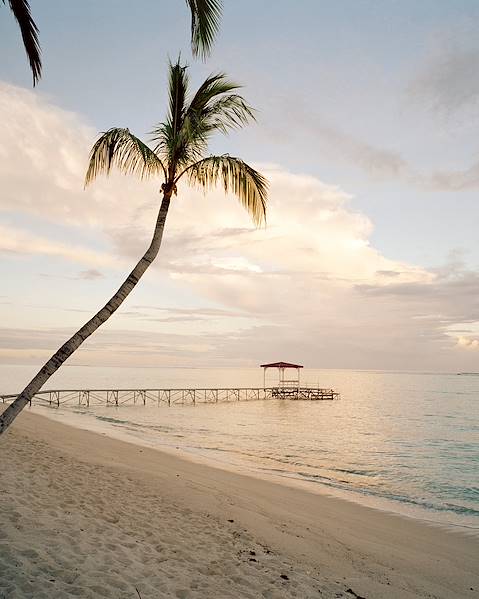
x: 68, y: 348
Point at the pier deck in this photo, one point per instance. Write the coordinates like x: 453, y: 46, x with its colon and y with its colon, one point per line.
x: 117, y: 397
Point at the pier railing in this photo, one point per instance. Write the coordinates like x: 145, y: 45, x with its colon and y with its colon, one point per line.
x: 172, y: 396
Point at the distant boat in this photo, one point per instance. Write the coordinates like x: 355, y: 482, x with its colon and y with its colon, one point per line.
x: 468, y: 373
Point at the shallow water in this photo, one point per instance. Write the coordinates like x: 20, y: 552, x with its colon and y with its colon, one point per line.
x: 407, y: 442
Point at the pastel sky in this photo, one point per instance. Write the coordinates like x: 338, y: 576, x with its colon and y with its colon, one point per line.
x: 368, y: 130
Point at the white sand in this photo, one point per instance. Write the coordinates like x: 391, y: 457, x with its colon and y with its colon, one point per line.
x: 82, y: 515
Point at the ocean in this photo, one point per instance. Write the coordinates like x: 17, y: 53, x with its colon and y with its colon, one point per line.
x: 406, y: 442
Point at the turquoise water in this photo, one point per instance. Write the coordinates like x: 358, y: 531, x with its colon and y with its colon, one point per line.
x: 406, y: 442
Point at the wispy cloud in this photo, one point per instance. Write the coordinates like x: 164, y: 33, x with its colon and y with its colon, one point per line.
x: 380, y: 163
x: 384, y: 164
x: 200, y: 312
x: 387, y: 164
x: 455, y: 180
x: 22, y: 242
x: 89, y: 275
x: 448, y: 82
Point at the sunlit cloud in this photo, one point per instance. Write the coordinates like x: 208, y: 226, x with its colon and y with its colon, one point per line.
x: 468, y: 343
x: 311, y: 285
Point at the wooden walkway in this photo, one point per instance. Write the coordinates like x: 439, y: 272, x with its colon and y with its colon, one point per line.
x: 117, y: 397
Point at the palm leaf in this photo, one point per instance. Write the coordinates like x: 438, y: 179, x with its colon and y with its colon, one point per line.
x: 205, y: 21
x: 168, y: 135
x: 237, y: 177
x: 178, y: 88
x: 229, y: 112
x: 120, y: 148
x: 29, y: 30
x: 212, y: 86
x: 215, y: 107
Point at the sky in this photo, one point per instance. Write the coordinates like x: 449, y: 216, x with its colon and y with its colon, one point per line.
x: 367, y: 130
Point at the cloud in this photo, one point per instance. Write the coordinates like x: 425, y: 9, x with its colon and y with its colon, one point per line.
x: 384, y: 164
x: 446, y: 83
x: 91, y: 274
x: 43, y: 158
x: 120, y: 347
x: 449, y: 80
x: 312, y: 232
x: 379, y: 163
x: 456, y: 180
x: 468, y: 343
x: 22, y: 242
x: 447, y: 306
x: 173, y: 314
x: 87, y: 275
x: 310, y: 287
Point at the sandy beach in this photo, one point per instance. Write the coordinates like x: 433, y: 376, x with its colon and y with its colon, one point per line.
x: 83, y: 515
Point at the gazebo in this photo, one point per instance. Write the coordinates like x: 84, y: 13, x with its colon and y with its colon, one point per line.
x: 282, y: 366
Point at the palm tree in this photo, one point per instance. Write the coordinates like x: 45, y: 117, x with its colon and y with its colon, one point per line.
x: 180, y: 145
x: 205, y: 20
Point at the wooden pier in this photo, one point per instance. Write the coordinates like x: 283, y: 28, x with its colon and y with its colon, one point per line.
x: 169, y: 397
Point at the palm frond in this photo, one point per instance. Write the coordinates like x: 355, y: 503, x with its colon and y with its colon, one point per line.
x: 167, y: 135
x: 215, y: 107
x: 237, y: 177
x: 178, y: 88
x: 120, y: 148
x: 205, y: 22
x: 213, y: 86
x: 229, y: 112
x: 29, y: 30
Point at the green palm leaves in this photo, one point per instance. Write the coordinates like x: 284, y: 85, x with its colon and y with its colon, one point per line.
x: 120, y: 148
x: 237, y: 177
x: 181, y: 142
x: 184, y: 136
x: 205, y: 21
x: 29, y: 30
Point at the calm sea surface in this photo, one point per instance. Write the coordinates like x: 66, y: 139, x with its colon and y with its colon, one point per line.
x: 406, y: 442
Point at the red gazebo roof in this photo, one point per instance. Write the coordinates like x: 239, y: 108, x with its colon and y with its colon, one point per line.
x: 281, y: 365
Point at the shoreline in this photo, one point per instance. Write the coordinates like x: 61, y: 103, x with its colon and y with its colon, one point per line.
x: 132, y: 499
x: 355, y: 496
